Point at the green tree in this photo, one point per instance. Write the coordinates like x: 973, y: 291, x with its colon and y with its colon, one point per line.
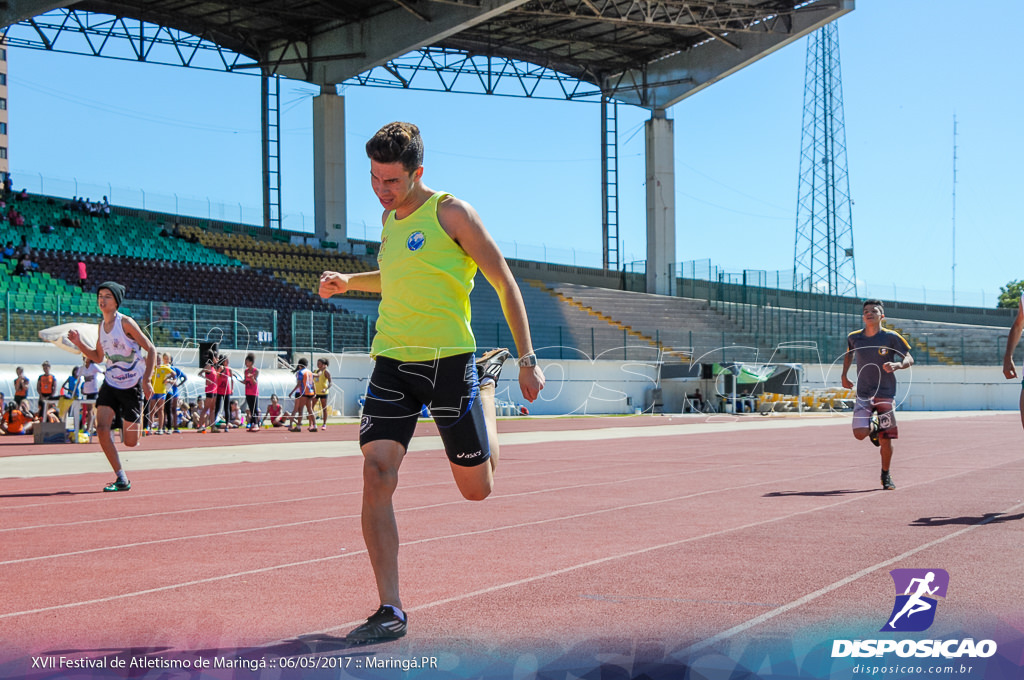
x: 1009, y: 295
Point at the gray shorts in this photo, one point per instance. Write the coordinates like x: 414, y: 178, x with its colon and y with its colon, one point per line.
x: 863, y: 410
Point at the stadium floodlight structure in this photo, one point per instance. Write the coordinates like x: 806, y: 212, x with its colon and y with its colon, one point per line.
x: 823, y: 260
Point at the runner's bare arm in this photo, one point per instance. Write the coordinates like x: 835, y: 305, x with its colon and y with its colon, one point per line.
x: 94, y: 354
x: 336, y: 283
x: 463, y: 224
x: 1009, y: 369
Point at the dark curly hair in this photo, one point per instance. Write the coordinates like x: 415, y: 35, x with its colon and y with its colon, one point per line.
x: 397, y: 143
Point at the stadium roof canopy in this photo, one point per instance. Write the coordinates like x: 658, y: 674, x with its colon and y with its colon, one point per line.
x: 650, y: 53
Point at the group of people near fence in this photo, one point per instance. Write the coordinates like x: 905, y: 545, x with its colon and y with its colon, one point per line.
x: 310, y: 395
x: 51, y: 402
x: 167, y: 411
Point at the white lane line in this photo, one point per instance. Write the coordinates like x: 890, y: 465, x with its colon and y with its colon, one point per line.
x: 432, y: 539
x: 61, y: 464
x: 445, y: 481
x: 271, y: 527
x: 810, y: 597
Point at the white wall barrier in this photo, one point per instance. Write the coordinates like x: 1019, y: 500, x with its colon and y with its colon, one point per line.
x: 580, y: 387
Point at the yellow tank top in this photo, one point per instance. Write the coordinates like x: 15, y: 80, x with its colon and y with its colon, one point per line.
x: 425, y: 280
x: 320, y: 382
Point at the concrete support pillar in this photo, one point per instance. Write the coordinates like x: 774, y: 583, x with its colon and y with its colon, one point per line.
x: 329, y: 166
x: 661, y: 205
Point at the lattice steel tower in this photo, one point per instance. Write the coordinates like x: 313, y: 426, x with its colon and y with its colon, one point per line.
x: 823, y: 261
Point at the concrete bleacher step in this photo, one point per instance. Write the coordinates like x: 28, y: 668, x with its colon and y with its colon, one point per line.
x: 672, y: 353
x: 919, y: 348
x: 675, y: 322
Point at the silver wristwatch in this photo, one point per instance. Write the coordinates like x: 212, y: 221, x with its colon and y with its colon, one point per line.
x: 527, y: 361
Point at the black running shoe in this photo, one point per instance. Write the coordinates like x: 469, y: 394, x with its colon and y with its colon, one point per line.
x: 887, y: 481
x: 873, y: 431
x: 489, y: 364
x: 384, y: 625
x: 118, y: 485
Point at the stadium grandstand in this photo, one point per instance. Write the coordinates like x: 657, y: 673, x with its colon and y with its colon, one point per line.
x: 180, y: 273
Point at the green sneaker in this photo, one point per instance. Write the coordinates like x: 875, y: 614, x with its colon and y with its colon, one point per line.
x: 118, y: 485
x: 887, y: 481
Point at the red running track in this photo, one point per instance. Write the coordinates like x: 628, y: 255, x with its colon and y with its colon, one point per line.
x: 669, y: 550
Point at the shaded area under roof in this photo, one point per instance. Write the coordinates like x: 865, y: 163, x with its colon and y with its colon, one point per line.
x: 650, y: 54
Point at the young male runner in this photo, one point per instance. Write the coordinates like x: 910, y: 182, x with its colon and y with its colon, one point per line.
x: 1009, y: 369
x: 431, y: 248
x: 879, y: 353
x: 126, y: 383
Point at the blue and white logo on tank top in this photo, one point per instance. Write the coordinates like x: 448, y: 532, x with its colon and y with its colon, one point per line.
x: 416, y: 241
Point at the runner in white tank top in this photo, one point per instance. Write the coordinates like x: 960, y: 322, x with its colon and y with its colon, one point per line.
x: 127, y: 384
x: 124, y: 368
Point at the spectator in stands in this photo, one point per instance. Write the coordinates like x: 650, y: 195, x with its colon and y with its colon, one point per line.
x: 274, y: 412
x: 424, y: 350
x: 46, y: 387
x: 83, y: 274
x: 14, y: 421
x: 8, y: 184
x: 126, y: 384
x: 9, y: 250
x: 20, y: 385
x: 105, y: 207
x: 23, y: 195
x: 163, y: 231
x: 25, y: 265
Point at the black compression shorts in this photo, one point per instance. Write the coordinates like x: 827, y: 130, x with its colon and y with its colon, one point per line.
x: 449, y: 388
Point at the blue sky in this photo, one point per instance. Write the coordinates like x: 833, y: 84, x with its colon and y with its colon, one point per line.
x: 173, y: 136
